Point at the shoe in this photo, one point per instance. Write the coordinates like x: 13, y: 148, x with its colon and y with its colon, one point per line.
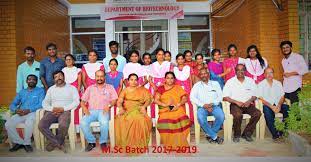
x: 16, y: 147
x: 62, y: 148
x: 209, y: 139
x: 28, y: 148
x: 236, y: 139
x: 104, y: 147
x: 50, y: 147
x: 218, y: 140
x: 248, y: 138
x: 90, y: 147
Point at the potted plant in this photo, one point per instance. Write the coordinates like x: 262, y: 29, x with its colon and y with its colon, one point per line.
x: 4, y: 113
x: 298, y: 124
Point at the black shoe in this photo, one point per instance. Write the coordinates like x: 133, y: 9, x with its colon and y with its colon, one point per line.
x: 104, y: 147
x: 209, y: 139
x: 90, y: 147
x: 16, y: 147
x: 248, y: 138
x: 28, y: 148
x: 218, y: 140
x: 236, y: 139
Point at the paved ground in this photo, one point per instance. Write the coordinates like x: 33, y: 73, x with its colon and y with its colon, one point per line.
x: 261, y: 148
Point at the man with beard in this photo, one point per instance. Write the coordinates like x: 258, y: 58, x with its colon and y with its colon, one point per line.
x: 59, y: 100
x: 30, y: 66
x: 25, y: 105
x: 113, y: 46
x: 100, y: 98
x: 49, y: 65
x: 294, y: 67
x: 207, y: 95
x: 240, y: 92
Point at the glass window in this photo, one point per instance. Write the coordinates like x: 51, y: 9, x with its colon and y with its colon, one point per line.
x: 83, y: 43
x: 191, y: 22
x: 198, y: 42
x: 87, y: 24
x: 134, y: 25
x: 155, y: 25
x: 143, y: 42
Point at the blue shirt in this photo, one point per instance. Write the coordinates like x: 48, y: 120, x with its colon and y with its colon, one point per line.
x: 47, y: 68
x: 28, y: 99
x: 23, y: 71
x: 121, y: 63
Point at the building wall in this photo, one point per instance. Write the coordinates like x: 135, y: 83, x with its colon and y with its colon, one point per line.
x: 259, y: 23
x: 34, y: 23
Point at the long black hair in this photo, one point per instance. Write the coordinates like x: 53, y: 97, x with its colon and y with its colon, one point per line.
x: 258, y: 55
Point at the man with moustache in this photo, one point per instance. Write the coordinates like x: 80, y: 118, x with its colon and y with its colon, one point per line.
x: 25, y: 105
x: 113, y: 46
x: 271, y: 92
x: 60, y: 99
x: 30, y: 66
x: 294, y: 67
x: 100, y: 98
x: 240, y: 92
x: 49, y: 65
x: 207, y: 95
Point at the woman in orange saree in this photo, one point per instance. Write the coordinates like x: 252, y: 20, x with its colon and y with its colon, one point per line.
x: 173, y: 123
x: 132, y: 124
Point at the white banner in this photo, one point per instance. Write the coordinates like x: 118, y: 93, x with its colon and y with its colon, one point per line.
x: 144, y: 11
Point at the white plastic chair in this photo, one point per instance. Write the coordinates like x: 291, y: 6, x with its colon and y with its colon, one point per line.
x: 54, y: 126
x: 96, y: 124
x: 35, y: 130
x: 226, y: 108
x: 263, y: 122
x: 197, y: 127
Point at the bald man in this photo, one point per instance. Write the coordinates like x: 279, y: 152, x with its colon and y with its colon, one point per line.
x: 271, y: 92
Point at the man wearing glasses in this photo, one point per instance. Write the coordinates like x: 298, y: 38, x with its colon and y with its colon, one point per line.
x: 271, y: 92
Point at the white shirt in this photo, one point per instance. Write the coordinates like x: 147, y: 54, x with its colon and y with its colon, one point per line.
x: 240, y: 91
x: 295, y: 62
x: 253, y: 66
x: 202, y: 93
x: 66, y: 97
x: 271, y: 94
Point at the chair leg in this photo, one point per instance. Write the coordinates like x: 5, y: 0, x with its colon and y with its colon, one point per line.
x: 230, y: 124
x: 262, y: 128
x: 82, y: 139
x: 10, y: 143
x: 72, y: 138
x: 257, y: 131
x: 225, y: 127
x: 111, y: 134
x: 197, y: 133
x: 158, y: 137
x: 54, y: 131
x: 36, y: 138
x: 188, y: 138
x: 42, y: 138
x: 150, y: 139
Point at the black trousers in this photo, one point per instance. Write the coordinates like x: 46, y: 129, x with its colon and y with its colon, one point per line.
x: 293, y: 96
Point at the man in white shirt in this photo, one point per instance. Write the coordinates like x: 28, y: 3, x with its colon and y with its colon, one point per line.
x: 294, y: 66
x: 271, y: 92
x: 59, y: 100
x: 240, y: 92
x: 207, y: 95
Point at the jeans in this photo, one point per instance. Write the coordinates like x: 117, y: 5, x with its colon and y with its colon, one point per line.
x: 211, y: 130
x: 270, y: 115
x: 102, y: 118
x: 10, y: 126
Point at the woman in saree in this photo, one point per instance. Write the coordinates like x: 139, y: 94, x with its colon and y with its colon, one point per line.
x: 132, y: 124
x: 173, y: 123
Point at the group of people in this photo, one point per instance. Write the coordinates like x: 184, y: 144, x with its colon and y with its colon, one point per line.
x: 59, y: 87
